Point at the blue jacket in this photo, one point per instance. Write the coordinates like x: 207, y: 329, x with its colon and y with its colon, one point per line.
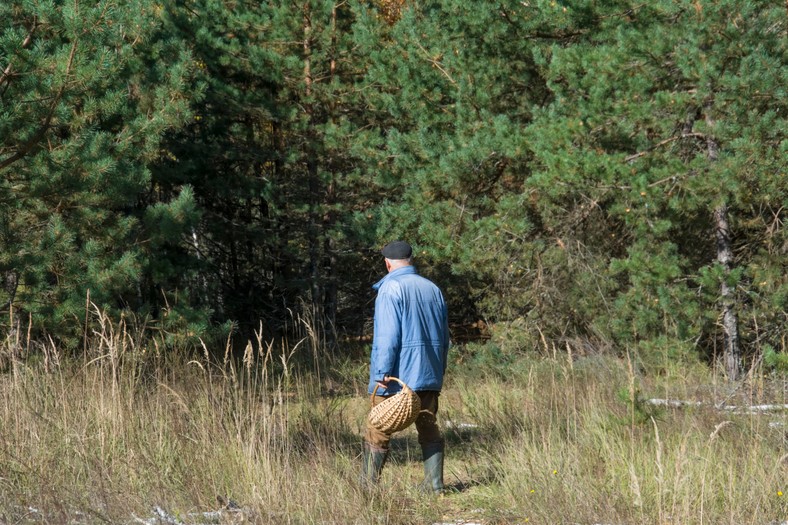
x: 411, y: 336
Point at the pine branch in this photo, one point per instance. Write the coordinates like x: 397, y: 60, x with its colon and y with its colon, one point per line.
x: 39, y: 135
x: 6, y: 76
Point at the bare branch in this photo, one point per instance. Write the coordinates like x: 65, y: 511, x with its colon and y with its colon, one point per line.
x: 662, y: 143
x: 436, y: 63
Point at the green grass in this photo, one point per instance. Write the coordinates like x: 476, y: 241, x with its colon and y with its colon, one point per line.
x: 546, y: 440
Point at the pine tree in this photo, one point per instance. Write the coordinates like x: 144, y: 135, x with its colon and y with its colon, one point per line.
x: 272, y: 158
x: 459, y: 83
x: 598, y: 169
x: 674, y: 114
x: 87, y: 89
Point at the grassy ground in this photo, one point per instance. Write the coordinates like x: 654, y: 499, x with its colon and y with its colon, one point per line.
x: 530, y: 440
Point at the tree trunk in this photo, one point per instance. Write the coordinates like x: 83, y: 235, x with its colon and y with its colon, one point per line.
x: 730, y: 322
x: 313, y: 233
x: 329, y: 217
x: 10, y: 281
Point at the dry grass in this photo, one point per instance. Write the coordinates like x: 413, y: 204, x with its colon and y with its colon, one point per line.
x: 108, y: 437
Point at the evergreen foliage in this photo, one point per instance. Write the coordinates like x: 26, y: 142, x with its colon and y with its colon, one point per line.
x: 272, y: 157
x: 455, y: 158
x: 661, y: 119
x: 87, y: 89
x: 600, y: 174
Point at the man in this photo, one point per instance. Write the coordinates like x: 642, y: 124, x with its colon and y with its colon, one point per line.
x: 411, y: 340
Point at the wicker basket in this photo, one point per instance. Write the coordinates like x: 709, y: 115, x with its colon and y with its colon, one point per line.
x: 397, y: 412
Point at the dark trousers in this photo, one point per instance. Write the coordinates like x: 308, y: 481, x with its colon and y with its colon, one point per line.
x: 426, y: 424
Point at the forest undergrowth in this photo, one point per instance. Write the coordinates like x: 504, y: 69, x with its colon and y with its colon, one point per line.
x: 129, y: 430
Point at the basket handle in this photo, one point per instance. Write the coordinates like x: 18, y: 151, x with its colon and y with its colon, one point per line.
x: 377, y: 385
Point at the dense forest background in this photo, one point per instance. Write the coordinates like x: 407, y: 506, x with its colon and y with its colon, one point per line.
x: 592, y: 175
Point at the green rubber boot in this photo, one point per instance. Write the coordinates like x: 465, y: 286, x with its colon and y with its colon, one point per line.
x: 433, y: 468
x: 372, y: 464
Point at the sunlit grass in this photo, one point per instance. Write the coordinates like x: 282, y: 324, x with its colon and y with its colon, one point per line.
x: 544, y: 440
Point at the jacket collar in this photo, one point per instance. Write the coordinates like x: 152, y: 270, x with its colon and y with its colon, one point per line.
x: 399, y: 271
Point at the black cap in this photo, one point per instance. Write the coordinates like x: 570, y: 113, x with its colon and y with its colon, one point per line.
x: 397, y: 250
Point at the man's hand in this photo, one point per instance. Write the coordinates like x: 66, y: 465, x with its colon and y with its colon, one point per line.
x: 384, y: 383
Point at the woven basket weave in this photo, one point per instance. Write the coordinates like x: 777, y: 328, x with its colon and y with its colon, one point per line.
x: 397, y: 412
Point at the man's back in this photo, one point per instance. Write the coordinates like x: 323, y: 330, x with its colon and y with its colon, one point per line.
x: 411, y: 331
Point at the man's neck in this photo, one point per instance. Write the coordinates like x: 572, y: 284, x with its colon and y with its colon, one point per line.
x: 396, y: 264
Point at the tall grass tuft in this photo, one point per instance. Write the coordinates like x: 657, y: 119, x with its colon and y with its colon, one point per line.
x: 569, y: 447
x: 127, y: 427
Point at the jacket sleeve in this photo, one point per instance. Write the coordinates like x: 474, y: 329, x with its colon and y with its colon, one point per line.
x: 446, y: 340
x: 387, y: 338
